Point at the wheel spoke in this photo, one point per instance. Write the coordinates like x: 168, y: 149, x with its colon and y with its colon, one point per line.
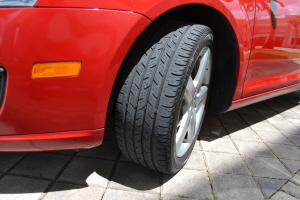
x: 183, y: 129
x: 193, y: 105
x: 202, y: 95
x: 204, y: 65
x: 206, y: 77
x: 200, y: 105
x: 191, y: 129
x: 188, y: 94
x: 200, y: 114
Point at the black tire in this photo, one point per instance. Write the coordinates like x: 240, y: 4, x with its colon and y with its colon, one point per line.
x: 148, y: 105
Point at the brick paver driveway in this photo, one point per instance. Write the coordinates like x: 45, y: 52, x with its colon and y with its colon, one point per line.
x: 250, y: 153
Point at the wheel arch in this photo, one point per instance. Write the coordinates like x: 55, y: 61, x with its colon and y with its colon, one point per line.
x: 226, y: 51
x: 230, y: 63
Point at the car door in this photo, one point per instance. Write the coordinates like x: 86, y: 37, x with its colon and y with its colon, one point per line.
x: 275, y: 54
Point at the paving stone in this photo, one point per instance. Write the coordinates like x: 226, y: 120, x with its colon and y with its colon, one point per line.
x: 210, y: 114
x: 260, y: 106
x: 7, y: 160
x: 232, y: 119
x: 125, y: 159
x: 296, y: 122
x: 274, y: 137
x: 235, y: 125
x: 267, y: 167
x: 285, y: 151
x: 275, y: 105
x: 131, y: 176
x: 197, y: 145
x: 182, y: 198
x: 252, y: 118
x: 63, y: 191
x: 108, y: 150
x: 246, y: 110
x: 212, y: 120
x: 229, y: 186
x: 231, y: 115
x: 287, y: 103
x: 263, y: 126
x: 131, y: 181
x: 282, y: 196
x: 70, y: 152
x: 267, y: 113
x: 243, y: 134
x: 196, y: 161
x: 287, y: 128
x: 40, y: 164
x: 295, y: 94
x: 296, y: 109
x: 290, y: 115
x: 277, y: 119
x: 190, y: 183
x: 292, y: 189
x: 218, y: 144
x: 88, y: 171
x: 227, y: 163
x: 269, y: 186
x: 253, y: 148
x: 212, y: 131
x: 112, y: 194
x: 296, y: 179
x: 295, y: 139
x: 21, y: 188
x: 292, y: 165
x: 229, y: 118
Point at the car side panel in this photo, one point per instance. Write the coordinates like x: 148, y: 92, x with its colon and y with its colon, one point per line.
x: 264, y: 96
x: 33, y: 35
x: 238, y: 13
x: 275, y: 56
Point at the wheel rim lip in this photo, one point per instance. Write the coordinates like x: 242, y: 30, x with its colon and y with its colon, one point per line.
x: 197, y: 110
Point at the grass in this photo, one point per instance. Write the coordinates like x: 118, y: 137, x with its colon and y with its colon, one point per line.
x: 213, y: 193
x: 293, y: 182
x: 296, y: 173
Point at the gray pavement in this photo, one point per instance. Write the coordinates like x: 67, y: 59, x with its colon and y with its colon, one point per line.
x: 249, y: 153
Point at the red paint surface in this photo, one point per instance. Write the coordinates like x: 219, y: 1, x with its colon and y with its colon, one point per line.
x: 264, y: 96
x: 271, y: 81
x: 239, y: 13
x: 72, y: 30
x: 35, y: 35
x: 275, y: 56
x: 52, y: 141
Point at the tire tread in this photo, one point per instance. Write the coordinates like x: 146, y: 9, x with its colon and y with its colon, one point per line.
x: 147, y: 101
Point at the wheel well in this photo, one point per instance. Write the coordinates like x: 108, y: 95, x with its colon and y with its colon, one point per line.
x: 225, y: 59
x: 225, y: 54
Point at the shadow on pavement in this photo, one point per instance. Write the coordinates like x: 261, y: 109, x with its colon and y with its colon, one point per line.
x: 236, y: 153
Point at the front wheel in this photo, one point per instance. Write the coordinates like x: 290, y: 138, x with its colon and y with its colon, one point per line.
x: 161, y: 105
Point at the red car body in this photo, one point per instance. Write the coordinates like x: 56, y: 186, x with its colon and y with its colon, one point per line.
x: 70, y: 112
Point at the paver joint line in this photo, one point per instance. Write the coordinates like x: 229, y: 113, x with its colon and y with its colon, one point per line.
x: 234, y: 153
x: 57, y: 176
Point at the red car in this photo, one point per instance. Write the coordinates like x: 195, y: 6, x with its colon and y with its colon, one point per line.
x: 155, y: 66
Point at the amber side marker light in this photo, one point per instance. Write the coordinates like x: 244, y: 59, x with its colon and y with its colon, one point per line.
x: 56, y: 69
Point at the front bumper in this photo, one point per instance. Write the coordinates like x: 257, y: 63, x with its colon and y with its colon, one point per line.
x: 52, y: 141
x: 98, y: 38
